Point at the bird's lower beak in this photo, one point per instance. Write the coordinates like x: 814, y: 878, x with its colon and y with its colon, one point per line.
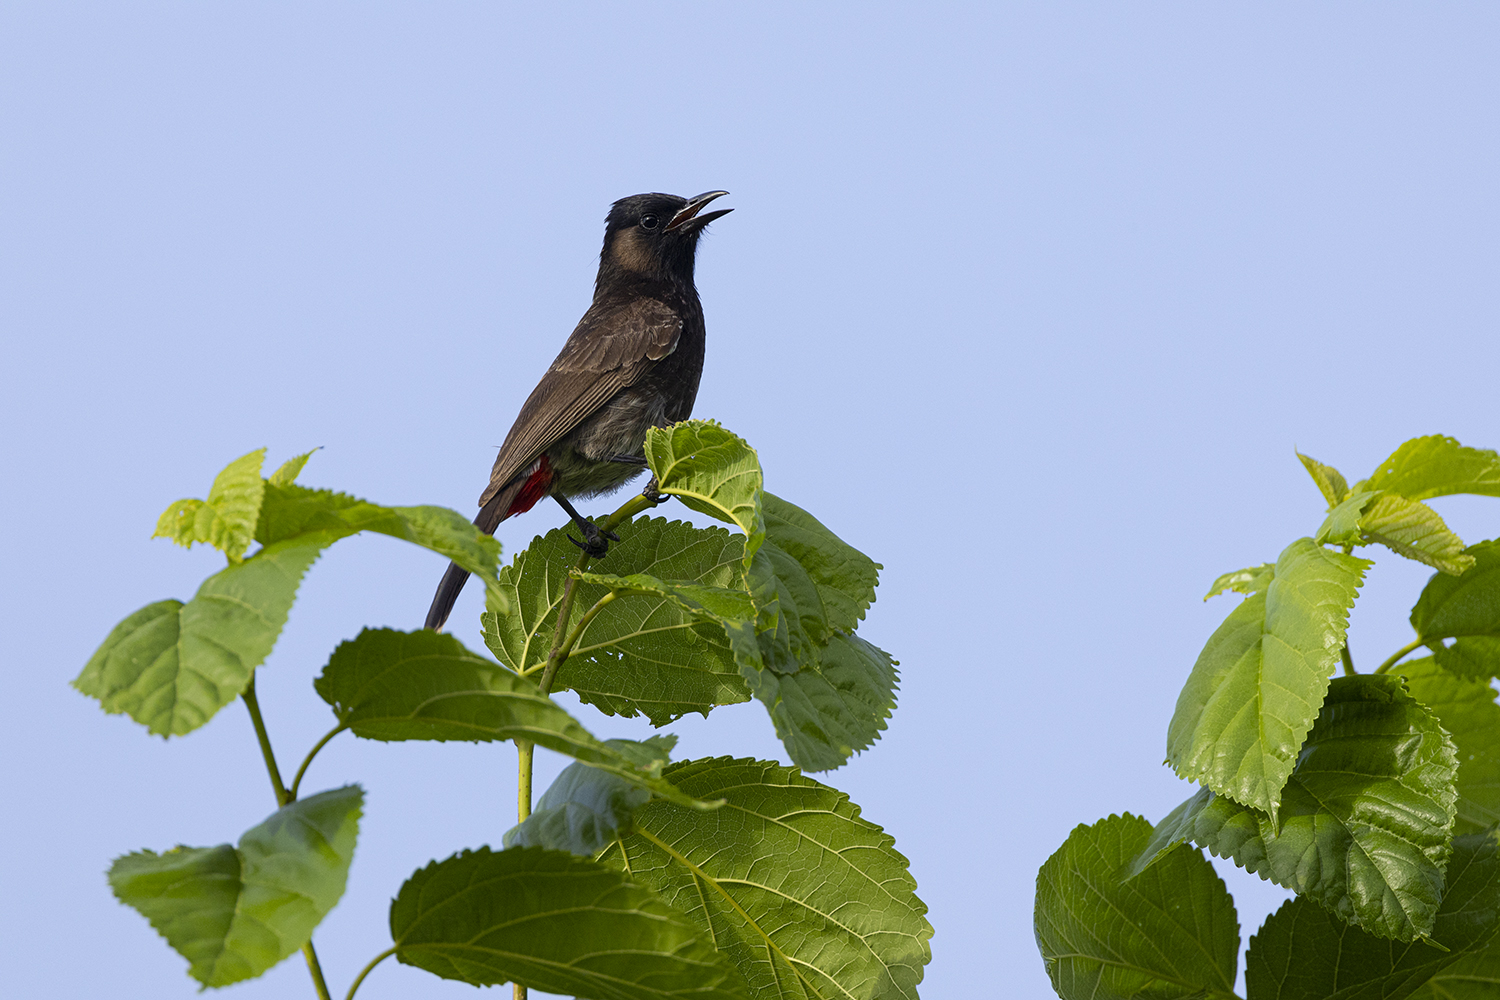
x: 689, y: 212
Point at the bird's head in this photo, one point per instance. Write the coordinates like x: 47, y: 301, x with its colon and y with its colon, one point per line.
x: 655, y: 235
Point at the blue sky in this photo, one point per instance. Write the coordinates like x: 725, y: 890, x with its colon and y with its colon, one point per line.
x: 1032, y: 303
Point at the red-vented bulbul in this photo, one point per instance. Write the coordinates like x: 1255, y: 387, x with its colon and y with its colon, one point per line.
x: 632, y: 363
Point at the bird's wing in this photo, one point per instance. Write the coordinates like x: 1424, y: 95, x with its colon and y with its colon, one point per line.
x: 611, y: 348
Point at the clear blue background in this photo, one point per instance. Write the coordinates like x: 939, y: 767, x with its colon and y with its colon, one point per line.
x: 1032, y: 303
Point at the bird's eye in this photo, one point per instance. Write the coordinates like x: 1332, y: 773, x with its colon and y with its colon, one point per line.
x: 649, y: 222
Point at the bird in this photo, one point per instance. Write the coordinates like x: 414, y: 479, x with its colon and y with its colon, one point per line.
x: 632, y: 363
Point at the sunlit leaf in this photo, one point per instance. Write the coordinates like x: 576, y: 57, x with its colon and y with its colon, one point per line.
x: 585, y: 809
x: 804, y: 896
x: 226, y: 520
x: 712, y: 471
x: 554, y: 922
x: 235, y: 912
x: 1330, y: 481
x: 1412, y: 529
x: 1255, y: 690
x: 1251, y: 580
x: 1170, y: 934
x: 1342, y: 525
x: 1435, y: 466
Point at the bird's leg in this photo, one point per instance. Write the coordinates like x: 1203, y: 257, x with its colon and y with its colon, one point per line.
x: 652, y: 493
x: 595, y: 542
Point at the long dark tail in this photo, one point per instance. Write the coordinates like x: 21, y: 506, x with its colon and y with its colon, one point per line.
x: 453, y: 581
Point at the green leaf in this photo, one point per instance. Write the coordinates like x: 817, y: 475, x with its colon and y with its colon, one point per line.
x: 1366, y: 818
x: 708, y: 603
x: 234, y: 913
x: 1172, y: 933
x: 1470, y: 656
x: 288, y: 471
x: 553, y: 922
x: 1467, y: 605
x: 712, y: 471
x: 1304, y: 952
x: 1331, y: 482
x: 1435, y: 466
x: 171, y: 666
x: 637, y: 656
x: 585, y: 809
x: 226, y: 520
x: 804, y: 896
x: 1474, y: 976
x: 1412, y: 529
x: 823, y: 714
x: 1251, y: 580
x: 1467, y: 710
x: 1342, y: 525
x: 1255, y: 690
x: 424, y: 685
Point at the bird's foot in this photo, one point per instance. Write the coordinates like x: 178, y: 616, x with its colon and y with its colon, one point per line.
x: 596, y: 542
x: 652, y: 493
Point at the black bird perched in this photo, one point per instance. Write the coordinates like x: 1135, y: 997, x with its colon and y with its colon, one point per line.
x: 632, y: 363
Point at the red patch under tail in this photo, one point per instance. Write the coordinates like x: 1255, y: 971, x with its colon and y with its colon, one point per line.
x: 538, y: 481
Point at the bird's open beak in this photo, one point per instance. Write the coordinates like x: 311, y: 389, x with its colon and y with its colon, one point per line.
x: 689, y: 212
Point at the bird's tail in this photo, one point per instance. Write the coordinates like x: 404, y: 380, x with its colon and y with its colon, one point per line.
x: 453, y: 581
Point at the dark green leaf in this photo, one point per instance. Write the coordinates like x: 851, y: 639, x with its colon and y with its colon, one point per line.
x: 1170, y: 934
x: 712, y: 471
x: 825, y: 713
x: 1304, y: 952
x: 1251, y: 580
x: 1257, y: 685
x: 553, y: 922
x: 235, y: 913
x: 805, y: 897
x: 1466, y: 605
x: 1331, y: 482
x: 226, y: 520
x: 1471, y: 656
x: 1467, y: 710
x: 1412, y: 529
x: 171, y: 666
x: 1366, y: 818
x: 585, y: 808
x: 424, y: 685
x: 1474, y: 976
x: 638, y: 655
x: 1436, y: 466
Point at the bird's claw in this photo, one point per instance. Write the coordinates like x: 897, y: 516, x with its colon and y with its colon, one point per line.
x: 652, y: 493
x: 596, y: 542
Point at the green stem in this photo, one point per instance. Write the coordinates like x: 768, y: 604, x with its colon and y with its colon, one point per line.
x: 316, y: 970
x: 524, y: 749
x: 297, y: 781
x: 282, y: 797
x: 1391, y: 660
x: 366, y: 971
x: 1349, y: 670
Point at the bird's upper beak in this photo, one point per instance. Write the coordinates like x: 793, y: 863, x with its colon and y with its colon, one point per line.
x: 689, y: 212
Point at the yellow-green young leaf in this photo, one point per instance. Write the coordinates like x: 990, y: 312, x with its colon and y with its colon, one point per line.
x: 638, y: 655
x: 1465, y: 605
x: 1412, y: 529
x: 554, y: 922
x: 1435, y: 466
x: 1170, y: 934
x: 1330, y: 481
x: 288, y: 471
x: 1342, y: 525
x: 712, y: 471
x: 423, y: 685
x: 1255, y: 690
x: 1366, y: 818
x: 1251, y: 580
x: 1304, y: 952
x: 171, y: 666
x: 235, y: 912
x: 1467, y: 710
x: 807, y: 899
x: 226, y: 520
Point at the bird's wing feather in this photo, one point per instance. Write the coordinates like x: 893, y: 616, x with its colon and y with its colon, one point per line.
x: 611, y: 348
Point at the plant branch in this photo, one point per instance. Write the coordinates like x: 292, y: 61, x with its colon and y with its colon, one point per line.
x: 1391, y: 660
x: 366, y: 971
x: 316, y: 970
x: 282, y: 797
x: 1349, y: 670
x: 297, y: 781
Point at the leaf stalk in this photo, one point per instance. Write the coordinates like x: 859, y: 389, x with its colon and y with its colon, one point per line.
x: 1391, y: 661
x: 297, y: 781
x: 366, y: 971
x: 253, y: 704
